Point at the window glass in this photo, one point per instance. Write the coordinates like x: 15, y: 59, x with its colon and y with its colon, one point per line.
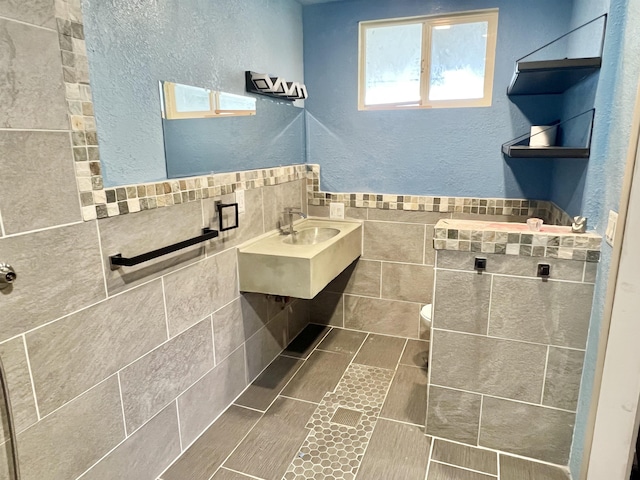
x: 458, y: 54
x: 192, y: 99
x: 428, y: 62
x: 393, y: 61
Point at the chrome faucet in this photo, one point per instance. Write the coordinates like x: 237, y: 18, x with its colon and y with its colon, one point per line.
x: 290, y: 212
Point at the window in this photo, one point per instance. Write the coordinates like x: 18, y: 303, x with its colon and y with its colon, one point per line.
x: 428, y: 62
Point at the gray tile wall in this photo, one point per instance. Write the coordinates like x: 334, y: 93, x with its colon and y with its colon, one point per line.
x: 113, y: 373
x: 507, y: 353
x: 384, y: 290
x: 148, y: 359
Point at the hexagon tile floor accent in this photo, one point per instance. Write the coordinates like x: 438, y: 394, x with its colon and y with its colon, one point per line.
x: 334, y: 451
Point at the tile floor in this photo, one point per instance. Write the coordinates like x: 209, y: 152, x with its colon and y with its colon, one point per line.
x: 341, y: 404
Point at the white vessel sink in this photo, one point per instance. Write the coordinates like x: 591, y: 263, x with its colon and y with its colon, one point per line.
x: 299, y: 265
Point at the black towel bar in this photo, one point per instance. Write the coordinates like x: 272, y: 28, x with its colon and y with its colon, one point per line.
x: 118, y: 260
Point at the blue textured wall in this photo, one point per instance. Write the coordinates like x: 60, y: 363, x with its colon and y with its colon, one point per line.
x: 602, y: 179
x: 132, y: 44
x: 454, y: 152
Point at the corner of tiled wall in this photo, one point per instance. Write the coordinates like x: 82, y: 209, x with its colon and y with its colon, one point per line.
x: 507, y: 356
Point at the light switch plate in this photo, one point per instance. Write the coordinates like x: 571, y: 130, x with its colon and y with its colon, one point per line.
x: 610, y: 234
x: 240, y: 200
x: 336, y: 210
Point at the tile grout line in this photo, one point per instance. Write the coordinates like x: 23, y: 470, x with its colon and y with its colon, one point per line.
x: 79, y: 192
x: 524, y: 277
x: 387, y: 299
x: 400, y: 421
x: 128, y: 365
x: 433, y: 441
x: 209, y: 315
x: 2, y: 231
x: 584, y: 272
x: 511, y: 339
x: 298, y: 399
x: 505, y: 398
x: 213, y: 344
x: 429, y: 360
x: 102, y: 256
x: 500, y: 452
x: 179, y: 429
x: 380, y: 293
x: 303, y: 361
x: 480, y: 420
x: 33, y: 385
x: 166, y: 312
x: 262, y: 207
x: 122, y: 441
x: 67, y: 315
x: 241, y: 473
x: 54, y: 30
x: 465, y: 468
x: 424, y: 245
x: 237, y: 444
x: 214, y: 421
x: 544, y: 375
x: 44, y: 229
x: 124, y: 419
x: 249, y: 408
x: 344, y: 308
x: 374, y: 333
x: 490, y: 303
x: 5, y: 129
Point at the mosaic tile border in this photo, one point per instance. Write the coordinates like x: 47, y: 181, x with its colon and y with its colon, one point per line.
x: 583, y: 247
x: 98, y: 202
x: 115, y: 201
x: 548, y: 211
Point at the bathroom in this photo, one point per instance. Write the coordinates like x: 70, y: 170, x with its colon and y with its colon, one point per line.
x: 172, y: 369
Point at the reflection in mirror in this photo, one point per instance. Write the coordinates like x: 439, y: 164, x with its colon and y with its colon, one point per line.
x: 206, y: 131
x: 184, y: 101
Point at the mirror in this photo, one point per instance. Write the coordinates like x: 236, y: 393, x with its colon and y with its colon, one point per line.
x: 208, y: 131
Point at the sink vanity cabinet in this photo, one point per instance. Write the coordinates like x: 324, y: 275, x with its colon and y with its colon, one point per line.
x: 299, y: 265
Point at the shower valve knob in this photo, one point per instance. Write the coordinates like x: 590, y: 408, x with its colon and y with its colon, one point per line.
x: 7, y: 275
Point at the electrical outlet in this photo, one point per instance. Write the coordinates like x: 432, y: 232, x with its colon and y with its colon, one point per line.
x: 240, y: 200
x: 610, y: 234
x: 336, y: 210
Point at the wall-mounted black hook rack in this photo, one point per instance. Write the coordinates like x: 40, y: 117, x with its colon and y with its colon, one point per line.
x: 118, y: 260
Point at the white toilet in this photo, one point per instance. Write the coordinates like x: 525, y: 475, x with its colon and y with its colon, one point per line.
x: 425, y: 317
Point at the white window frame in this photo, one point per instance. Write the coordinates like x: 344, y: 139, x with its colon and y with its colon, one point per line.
x: 428, y: 24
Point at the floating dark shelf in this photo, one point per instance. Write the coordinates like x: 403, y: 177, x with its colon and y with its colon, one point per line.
x: 524, y: 151
x: 551, y: 76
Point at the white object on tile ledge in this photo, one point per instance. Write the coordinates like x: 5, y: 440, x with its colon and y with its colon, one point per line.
x: 543, y: 136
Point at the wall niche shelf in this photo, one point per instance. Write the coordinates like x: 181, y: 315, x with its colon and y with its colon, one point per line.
x: 574, y: 136
x: 551, y: 76
x: 534, y: 76
x: 552, y: 70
